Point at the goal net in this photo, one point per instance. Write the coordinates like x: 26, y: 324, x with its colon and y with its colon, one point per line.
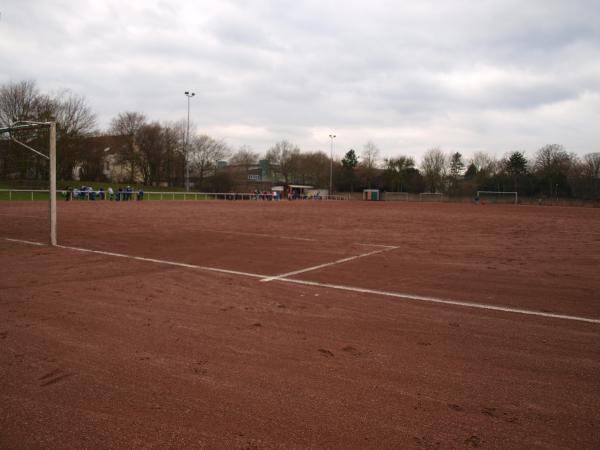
x: 431, y: 197
x: 497, y: 197
x: 395, y: 196
x: 28, y: 182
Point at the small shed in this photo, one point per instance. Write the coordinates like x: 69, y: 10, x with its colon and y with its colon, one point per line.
x: 371, y: 195
x: 292, y: 191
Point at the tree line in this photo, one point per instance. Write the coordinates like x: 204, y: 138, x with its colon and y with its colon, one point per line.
x: 550, y: 172
x: 158, y: 153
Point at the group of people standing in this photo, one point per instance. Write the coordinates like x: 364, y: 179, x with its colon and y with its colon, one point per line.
x: 89, y: 193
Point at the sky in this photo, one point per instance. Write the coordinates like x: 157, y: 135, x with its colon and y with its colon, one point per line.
x: 487, y: 75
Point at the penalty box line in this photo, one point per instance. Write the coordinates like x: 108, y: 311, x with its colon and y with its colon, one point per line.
x: 442, y: 301
x: 329, y: 264
x: 141, y: 258
x: 397, y: 295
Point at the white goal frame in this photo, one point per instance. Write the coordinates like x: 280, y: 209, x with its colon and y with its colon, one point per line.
x: 26, y: 125
x: 395, y: 197
x: 500, y: 193
x: 423, y: 195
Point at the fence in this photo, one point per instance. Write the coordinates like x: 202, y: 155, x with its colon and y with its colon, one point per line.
x: 539, y: 201
x: 42, y: 194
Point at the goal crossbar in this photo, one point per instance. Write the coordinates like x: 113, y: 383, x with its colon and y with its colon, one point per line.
x: 395, y: 196
x: 500, y: 193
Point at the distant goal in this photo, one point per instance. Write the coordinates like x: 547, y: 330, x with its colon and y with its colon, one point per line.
x: 498, y: 197
x: 431, y: 197
x: 395, y: 197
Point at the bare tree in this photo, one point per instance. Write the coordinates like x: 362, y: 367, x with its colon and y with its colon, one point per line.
x: 204, y: 153
x: 485, y: 164
x: 149, y: 138
x: 396, y: 170
x: 313, y: 168
x: 74, y: 118
x: 552, y: 166
x: 127, y: 124
x: 75, y: 121
x: 18, y: 101
x: 368, y: 165
x: 434, y: 168
x: 589, y: 176
x: 284, y: 155
x: 74, y: 115
x: 174, y: 161
x: 370, y: 155
x: 244, y: 157
x: 591, y: 165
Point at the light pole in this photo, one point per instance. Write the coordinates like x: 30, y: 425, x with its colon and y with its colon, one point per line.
x: 332, y: 137
x: 189, y: 95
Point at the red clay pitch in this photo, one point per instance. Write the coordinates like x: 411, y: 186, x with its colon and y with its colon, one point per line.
x: 99, y: 351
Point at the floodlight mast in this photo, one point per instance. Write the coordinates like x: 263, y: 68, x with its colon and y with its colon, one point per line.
x: 332, y: 137
x: 187, y: 142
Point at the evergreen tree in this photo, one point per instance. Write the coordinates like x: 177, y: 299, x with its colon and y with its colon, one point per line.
x: 349, y: 163
x: 350, y: 160
x: 471, y: 172
x: 456, y: 165
x: 456, y: 168
x: 516, y: 164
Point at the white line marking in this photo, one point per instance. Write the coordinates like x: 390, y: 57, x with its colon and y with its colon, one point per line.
x: 262, y: 235
x: 161, y: 261
x: 320, y: 266
x: 24, y: 216
x: 152, y: 260
x: 377, y: 245
x: 419, y: 298
x: 422, y: 298
x: 21, y: 241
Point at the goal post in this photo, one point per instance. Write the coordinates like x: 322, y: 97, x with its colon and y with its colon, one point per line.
x: 51, y: 157
x: 52, y: 151
x: 431, y: 197
x: 499, y: 196
x: 395, y: 196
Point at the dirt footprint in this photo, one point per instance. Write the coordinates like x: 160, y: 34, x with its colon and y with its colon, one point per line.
x: 53, y: 376
x: 455, y: 407
x: 473, y: 441
x: 351, y: 350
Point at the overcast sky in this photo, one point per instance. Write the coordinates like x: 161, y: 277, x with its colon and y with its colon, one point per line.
x: 490, y: 75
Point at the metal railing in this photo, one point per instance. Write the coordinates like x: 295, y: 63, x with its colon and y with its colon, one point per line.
x: 42, y: 194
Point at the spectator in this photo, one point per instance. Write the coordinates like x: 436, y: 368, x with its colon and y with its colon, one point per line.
x: 119, y: 194
x: 140, y: 194
x: 111, y: 193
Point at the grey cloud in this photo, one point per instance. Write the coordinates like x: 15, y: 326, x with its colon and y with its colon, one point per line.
x: 457, y: 70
